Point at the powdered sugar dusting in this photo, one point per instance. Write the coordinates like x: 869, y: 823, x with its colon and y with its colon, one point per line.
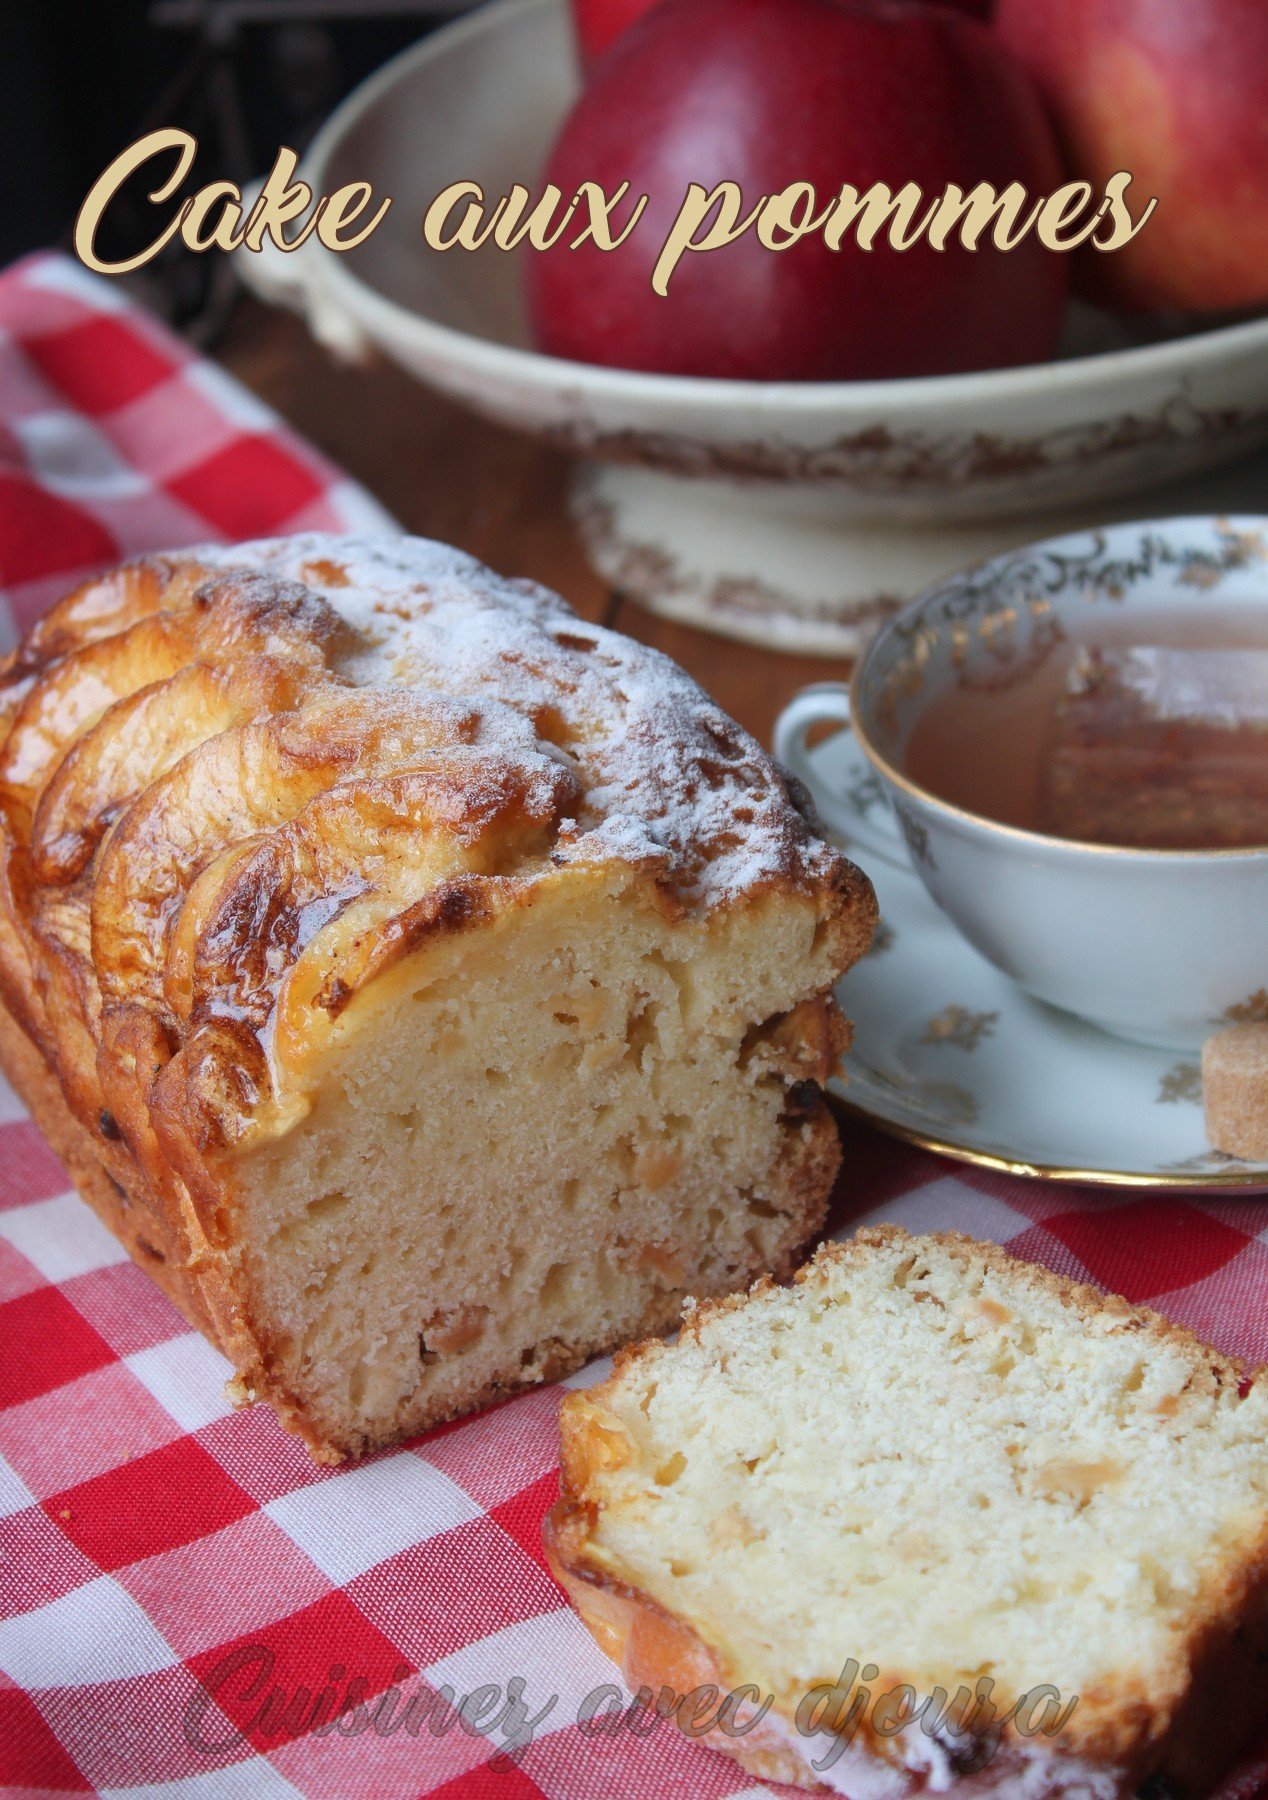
x: 670, y: 782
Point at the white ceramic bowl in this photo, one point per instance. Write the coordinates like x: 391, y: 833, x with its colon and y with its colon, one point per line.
x: 792, y: 513
x: 1160, y: 947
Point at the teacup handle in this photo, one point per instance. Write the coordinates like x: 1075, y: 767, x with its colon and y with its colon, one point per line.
x: 828, y: 703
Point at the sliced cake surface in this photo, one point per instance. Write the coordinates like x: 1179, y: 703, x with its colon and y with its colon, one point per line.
x: 935, y: 1465
x: 430, y: 987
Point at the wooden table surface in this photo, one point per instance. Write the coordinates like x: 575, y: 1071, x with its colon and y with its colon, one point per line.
x: 446, y: 474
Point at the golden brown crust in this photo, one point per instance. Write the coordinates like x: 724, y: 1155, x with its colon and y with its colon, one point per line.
x: 173, y: 712
x: 236, y: 786
x: 98, y: 1166
x: 1183, y: 1724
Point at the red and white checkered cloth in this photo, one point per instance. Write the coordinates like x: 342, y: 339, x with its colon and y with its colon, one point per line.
x: 166, y: 1563
x: 115, y: 438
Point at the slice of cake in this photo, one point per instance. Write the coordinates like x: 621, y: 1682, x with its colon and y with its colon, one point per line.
x: 953, y: 1523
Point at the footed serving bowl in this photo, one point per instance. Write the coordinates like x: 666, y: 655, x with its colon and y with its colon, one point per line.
x: 792, y: 514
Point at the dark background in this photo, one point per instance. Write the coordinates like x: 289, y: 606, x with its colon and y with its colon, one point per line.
x: 80, y: 79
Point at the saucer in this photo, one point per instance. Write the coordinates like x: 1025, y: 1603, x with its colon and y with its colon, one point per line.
x: 949, y: 1054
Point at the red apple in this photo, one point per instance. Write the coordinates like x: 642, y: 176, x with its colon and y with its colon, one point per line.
x: 599, y: 23
x: 1176, y: 92
x: 770, y: 92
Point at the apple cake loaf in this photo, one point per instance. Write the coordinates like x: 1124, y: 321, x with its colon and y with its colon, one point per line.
x: 428, y: 987
x: 959, y: 1526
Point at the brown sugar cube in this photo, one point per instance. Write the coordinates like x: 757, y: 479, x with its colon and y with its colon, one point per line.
x: 1235, y: 1091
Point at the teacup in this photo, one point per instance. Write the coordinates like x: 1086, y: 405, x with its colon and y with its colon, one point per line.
x: 1159, y: 946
